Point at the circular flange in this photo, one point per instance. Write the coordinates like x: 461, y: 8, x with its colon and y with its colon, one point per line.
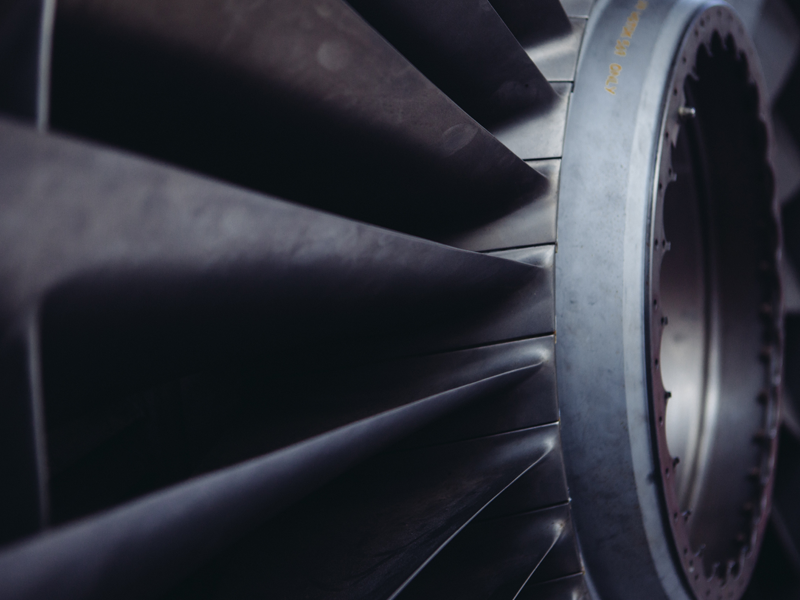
x: 714, y: 307
x: 639, y: 534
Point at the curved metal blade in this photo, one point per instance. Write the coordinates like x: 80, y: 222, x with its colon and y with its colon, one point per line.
x: 140, y: 549
x: 118, y: 273
x: 468, y: 52
x: 300, y: 99
x: 25, y: 37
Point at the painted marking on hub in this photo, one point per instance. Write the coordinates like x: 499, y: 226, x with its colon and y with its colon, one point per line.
x: 622, y: 45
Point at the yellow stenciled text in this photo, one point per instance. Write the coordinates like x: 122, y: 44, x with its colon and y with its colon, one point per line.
x: 623, y: 45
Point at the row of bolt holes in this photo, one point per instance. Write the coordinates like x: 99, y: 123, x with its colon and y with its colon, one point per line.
x: 687, y: 513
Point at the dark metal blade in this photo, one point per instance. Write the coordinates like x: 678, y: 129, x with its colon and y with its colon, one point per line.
x: 141, y: 548
x: 303, y: 100
x: 496, y: 558
x: 130, y: 273
x: 25, y: 36
x: 467, y: 51
x: 534, y: 22
x: 368, y: 532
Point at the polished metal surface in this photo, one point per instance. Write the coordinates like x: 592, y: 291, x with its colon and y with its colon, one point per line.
x: 312, y: 91
x: 196, y: 519
x: 466, y: 51
x: 534, y: 22
x: 607, y: 351
x: 206, y: 377
x: 714, y: 247
x: 25, y: 46
x: 557, y: 58
x: 531, y: 222
x: 541, y: 136
x: 577, y: 8
x: 210, y: 392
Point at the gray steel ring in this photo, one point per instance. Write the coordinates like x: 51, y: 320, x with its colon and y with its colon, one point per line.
x: 609, y: 169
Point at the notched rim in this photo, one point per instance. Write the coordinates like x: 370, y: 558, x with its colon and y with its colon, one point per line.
x: 714, y: 27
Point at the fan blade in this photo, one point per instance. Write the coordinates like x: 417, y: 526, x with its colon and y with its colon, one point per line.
x: 499, y: 557
x: 25, y: 36
x: 511, y: 412
x: 468, y: 52
x: 134, y: 272
x: 577, y: 8
x: 534, y: 22
x: 303, y: 100
x: 538, y: 138
x: 195, y: 519
x: 567, y: 588
x: 558, y: 58
x: 22, y: 452
x: 368, y: 532
x: 535, y: 220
